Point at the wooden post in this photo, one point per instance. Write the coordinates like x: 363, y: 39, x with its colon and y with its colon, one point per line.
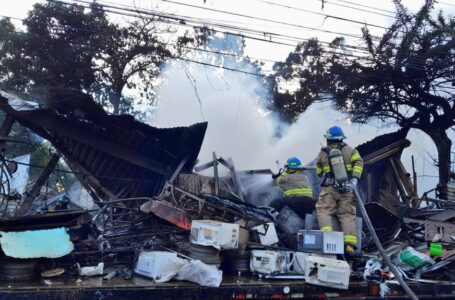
x: 369, y: 188
x: 215, y: 174
x: 414, y: 175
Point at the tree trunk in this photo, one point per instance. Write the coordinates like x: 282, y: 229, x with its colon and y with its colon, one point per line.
x: 114, y: 99
x: 443, y: 146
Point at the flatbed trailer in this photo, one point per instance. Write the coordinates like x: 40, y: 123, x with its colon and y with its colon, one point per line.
x: 244, y: 287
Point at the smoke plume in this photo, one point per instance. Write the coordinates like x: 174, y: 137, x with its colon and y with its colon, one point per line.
x: 239, y: 128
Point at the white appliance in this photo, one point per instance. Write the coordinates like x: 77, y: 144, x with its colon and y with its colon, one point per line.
x: 318, y: 241
x: 300, y: 259
x: 268, y: 262
x: 216, y: 234
x: 157, y: 264
x: 267, y: 236
x: 327, y: 272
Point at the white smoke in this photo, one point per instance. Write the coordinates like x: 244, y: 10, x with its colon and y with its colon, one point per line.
x: 238, y: 127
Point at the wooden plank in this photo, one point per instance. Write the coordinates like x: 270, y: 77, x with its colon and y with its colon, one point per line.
x: 405, y: 177
x: 385, y: 152
x: 236, y: 180
x: 398, y: 181
x: 407, y: 182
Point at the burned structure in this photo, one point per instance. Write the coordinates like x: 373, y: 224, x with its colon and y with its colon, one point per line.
x: 152, y: 208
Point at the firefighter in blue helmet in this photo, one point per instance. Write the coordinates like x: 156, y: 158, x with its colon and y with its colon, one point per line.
x: 337, y: 198
x: 297, y: 190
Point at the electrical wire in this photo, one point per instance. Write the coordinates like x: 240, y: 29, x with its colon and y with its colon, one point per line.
x: 259, y: 18
x: 445, y: 3
x: 352, y: 48
x: 221, y: 53
x: 174, y: 16
x: 366, y: 6
x: 260, y: 35
x: 358, y: 9
x: 321, y: 14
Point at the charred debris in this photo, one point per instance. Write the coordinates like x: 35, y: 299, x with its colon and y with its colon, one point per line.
x: 153, y: 215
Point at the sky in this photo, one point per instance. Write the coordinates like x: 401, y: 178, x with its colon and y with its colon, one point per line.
x: 230, y: 101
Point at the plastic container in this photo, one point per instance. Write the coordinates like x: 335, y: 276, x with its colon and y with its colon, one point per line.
x: 435, y: 249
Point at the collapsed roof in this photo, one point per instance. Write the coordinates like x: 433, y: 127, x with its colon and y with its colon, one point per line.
x: 113, y: 156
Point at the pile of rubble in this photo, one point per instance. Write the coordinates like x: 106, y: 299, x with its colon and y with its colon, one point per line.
x: 161, y: 220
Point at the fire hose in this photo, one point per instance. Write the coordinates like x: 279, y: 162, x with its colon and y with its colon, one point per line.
x: 384, y: 255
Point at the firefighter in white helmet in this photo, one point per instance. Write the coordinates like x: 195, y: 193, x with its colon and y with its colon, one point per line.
x: 340, y: 167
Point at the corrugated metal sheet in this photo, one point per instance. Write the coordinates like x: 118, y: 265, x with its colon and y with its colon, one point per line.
x: 111, y: 154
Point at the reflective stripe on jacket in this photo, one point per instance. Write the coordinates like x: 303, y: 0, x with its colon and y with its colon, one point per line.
x: 351, y: 157
x: 295, y: 184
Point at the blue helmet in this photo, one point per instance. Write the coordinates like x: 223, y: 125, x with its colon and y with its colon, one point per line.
x: 334, y: 133
x: 293, y: 163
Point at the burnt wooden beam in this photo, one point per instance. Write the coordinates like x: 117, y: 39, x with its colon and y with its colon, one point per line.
x: 398, y: 182
x: 385, y: 152
x: 204, y: 166
x: 235, y: 178
x: 177, y: 170
x: 407, y: 182
x: 34, y: 192
x: 87, y: 178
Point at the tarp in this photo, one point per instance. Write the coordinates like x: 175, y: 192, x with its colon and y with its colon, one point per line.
x: 49, y: 243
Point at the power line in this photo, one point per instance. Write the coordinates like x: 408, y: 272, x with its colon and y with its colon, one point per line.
x: 358, y: 9
x: 445, y: 3
x: 321, y: 14
x: 184, y: 20
x: 366, y: 6
x: 258, y: 18
x: 230, y: 54
x: 188, y: 19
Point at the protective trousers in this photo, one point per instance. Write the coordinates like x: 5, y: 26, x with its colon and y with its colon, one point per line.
x: 331, y: 202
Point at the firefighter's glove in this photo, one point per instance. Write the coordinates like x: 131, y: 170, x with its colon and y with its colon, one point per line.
x: 353, y: 183
x: 275, y: 176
